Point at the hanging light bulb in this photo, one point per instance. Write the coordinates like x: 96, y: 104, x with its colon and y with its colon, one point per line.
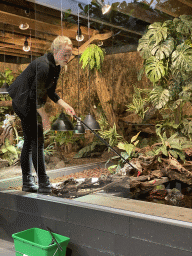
x: 26, y: 48
x: 62, y: 124
x: 79, y: 36
x: 100, y: 43
x: 105, y: 7
x: 91, y: 122
x: 24, y: 26
x: 79, y: 128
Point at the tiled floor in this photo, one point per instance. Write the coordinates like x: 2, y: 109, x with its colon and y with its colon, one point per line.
x: 6, y: 248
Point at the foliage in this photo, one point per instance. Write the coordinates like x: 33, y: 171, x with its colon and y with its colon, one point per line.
x: 167, y: 52
x: 93, y: 57
x: 104, y: 125
x: 186, y: 128
x: 10, y: 152
x: 111, y: 136
x: 6, y: 77
x: 139, y: 102
x: 68, y: 18
x: 128, y: 154
x: 4, y: 110
x: 89, y: 150
x: 59, y: 138
x: 49, y: 150
x: 173, y: 145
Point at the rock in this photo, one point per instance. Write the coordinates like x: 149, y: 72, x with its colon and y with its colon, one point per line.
x: 54, y: 159
x: 4, y: 163
x: 50, y: 166
x: 60, y: 164
x: 174, y: 197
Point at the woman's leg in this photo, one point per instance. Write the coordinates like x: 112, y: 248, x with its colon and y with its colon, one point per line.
x: 26, y: 154
x: 38, y: 151
x: 33, y: 149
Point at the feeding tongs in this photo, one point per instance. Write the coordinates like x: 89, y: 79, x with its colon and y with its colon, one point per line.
x: 105, y: 142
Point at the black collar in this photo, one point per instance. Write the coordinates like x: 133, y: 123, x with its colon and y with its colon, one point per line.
x: 51, y: 59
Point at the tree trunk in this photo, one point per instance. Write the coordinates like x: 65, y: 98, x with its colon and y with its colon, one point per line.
x: 105, y: 99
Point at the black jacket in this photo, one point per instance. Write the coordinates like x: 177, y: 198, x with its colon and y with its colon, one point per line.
x: 35, y: 83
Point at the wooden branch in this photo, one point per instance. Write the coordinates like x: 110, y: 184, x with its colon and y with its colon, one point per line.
x: 94, y: 37
x: 175, y: 171
x: 189, y: 3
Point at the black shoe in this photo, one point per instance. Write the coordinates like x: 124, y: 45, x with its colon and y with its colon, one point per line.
x: 44, y: 184
x: 29, y: 184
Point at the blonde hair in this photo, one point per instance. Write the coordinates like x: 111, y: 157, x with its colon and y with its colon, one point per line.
x: 59, y: 42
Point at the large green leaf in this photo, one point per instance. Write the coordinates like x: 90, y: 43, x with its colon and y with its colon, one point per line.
x: 159, y: 97
x: 173, y: 153
x: 163, y: 50
x: 12, y: 149
x: 182, y: 57
x: 144, y: 47
x: 183, y: 24
x: 155, y: 69
x: 157, y: 32
x: 129, y: 148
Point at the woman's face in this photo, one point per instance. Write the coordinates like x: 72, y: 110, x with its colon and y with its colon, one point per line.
x: 63, y: 55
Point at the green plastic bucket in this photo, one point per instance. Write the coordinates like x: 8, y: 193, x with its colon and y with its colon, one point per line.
x: 35, y: 242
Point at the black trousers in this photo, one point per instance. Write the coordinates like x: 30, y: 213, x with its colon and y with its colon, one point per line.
x: 33, y: 147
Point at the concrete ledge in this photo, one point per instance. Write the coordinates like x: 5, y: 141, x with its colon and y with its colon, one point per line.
x: 17, y: 181
x: 95, y: 230
x: 99, y: 224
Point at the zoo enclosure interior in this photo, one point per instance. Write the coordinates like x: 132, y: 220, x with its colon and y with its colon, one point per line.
x: 107, y: 93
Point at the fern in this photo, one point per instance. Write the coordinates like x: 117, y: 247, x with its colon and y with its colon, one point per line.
x: 92, y: 56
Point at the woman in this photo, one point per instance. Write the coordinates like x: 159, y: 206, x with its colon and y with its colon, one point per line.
x: 29, y: 93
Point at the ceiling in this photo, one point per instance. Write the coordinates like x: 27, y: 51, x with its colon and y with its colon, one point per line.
x: 119, y: 30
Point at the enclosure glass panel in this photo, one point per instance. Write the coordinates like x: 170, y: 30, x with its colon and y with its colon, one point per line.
x: 128, y: 80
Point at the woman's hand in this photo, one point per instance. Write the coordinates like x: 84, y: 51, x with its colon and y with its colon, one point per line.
x: 70, y: 111
x: 45, y: 119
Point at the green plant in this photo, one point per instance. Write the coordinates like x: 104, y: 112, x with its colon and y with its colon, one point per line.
x: 139, y: 102
x: 104, y: 125
x: 129, y: 149
x: 6, y: 77
x: 4, y: 110
x: 173, y: 145
x: 167, y: 54
x: 92, y: 56
x: 49, y: 150
x: 111, y: 136
x: 62, y: 138
x: 186, y: 128
x: 10, y: 152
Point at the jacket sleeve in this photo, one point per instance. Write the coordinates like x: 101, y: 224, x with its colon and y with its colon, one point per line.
x: 52, y: 94
x: 39, y: 83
